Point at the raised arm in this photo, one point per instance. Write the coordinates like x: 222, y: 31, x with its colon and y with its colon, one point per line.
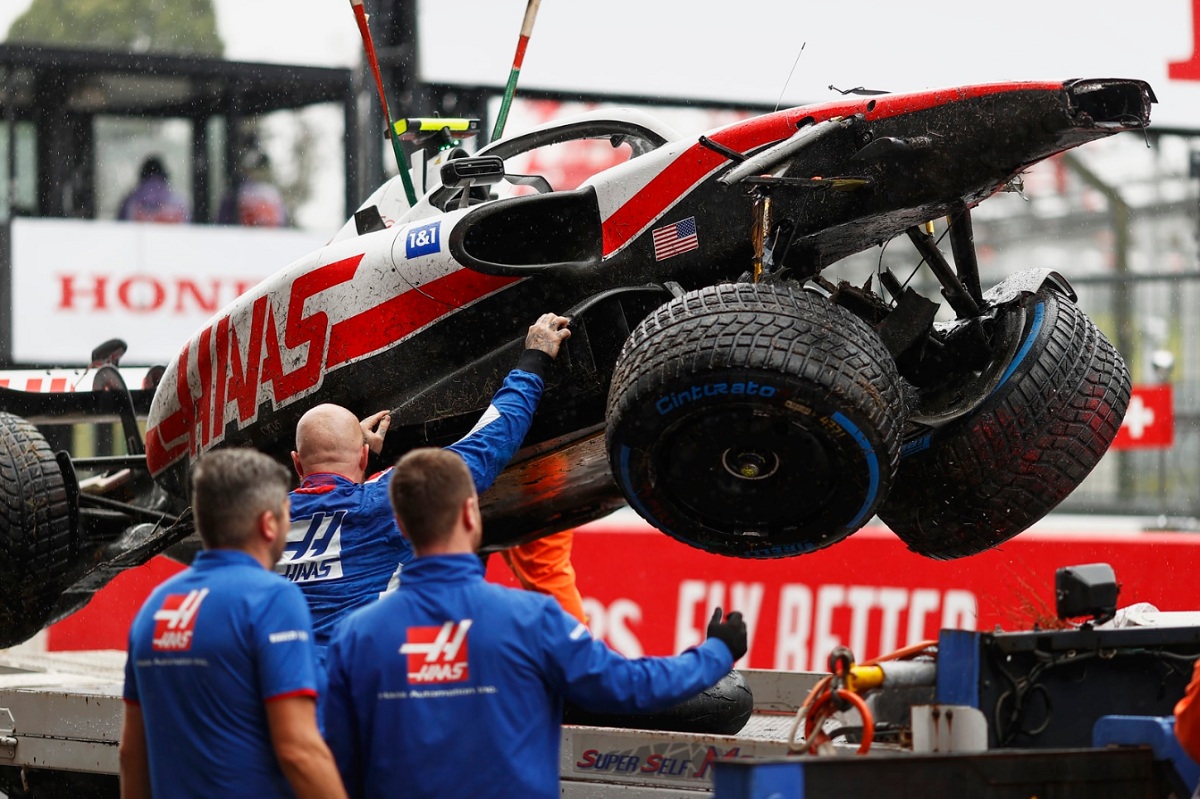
x: 374, y: 428
x: 498, y: 434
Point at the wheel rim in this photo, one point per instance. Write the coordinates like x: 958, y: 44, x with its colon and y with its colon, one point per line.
x: 964, y: 393
x: 754, y: 421
x: 748, y: 462
x: 762, y: 472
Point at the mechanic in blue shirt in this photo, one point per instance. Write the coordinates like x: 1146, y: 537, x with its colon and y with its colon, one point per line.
x: 452, y: 686
x: 221, y: 676
x: 344, y: 549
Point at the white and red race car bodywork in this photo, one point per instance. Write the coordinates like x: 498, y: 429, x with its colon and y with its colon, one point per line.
x: 714, y: 380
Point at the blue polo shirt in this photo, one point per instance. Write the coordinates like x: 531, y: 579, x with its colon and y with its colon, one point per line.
x: 207, y: 650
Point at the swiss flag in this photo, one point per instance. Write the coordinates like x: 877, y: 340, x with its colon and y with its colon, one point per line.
x: 1149, y: 421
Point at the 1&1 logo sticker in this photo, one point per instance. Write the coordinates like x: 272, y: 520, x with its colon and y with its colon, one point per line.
x: 423, y: 240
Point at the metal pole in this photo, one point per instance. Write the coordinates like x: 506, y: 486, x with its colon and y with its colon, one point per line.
x: 364, y: 30
x: 510, y: 89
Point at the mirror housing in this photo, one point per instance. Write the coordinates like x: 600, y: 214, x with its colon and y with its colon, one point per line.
x: 481, y: 170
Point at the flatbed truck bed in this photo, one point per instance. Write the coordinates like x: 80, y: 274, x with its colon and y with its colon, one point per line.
x: 61, y: 713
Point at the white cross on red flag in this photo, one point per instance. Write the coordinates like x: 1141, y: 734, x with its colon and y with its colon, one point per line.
x: 1149, y: 421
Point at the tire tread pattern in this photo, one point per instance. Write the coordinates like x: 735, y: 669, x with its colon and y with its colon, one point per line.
x: 992, y: 475
x: 36, y: 544
x: 771, y: 328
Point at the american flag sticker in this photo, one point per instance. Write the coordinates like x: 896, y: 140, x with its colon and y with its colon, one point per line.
x: 678, y: 237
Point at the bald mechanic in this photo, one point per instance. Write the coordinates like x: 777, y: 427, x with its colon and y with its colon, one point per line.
x: 453, y: 687
x: 344, y: 549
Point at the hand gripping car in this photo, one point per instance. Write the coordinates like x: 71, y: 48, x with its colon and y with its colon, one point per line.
x: 715, y: 381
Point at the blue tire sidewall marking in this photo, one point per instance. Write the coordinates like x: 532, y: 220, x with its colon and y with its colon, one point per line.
x: 1039, y: 315
x: 872, y: 468
x: 923, y: 443
x: 633, y: 497
x: 916, y: 445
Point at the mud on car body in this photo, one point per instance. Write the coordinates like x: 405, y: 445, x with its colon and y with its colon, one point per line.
x: 716, y: 381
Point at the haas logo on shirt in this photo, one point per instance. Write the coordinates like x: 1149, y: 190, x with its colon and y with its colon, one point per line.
x: 314, y: 549
x: 175, y: 621
x: 437, y: 654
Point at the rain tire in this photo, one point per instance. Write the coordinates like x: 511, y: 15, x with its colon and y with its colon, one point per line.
x: 37, y: 545
x: 754, y: 420
x: 985, y: 477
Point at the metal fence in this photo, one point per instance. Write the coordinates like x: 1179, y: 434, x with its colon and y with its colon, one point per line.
x: 1155, y: 482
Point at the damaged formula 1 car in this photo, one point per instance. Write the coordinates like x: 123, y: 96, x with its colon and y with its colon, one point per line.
x: 715, y: 381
